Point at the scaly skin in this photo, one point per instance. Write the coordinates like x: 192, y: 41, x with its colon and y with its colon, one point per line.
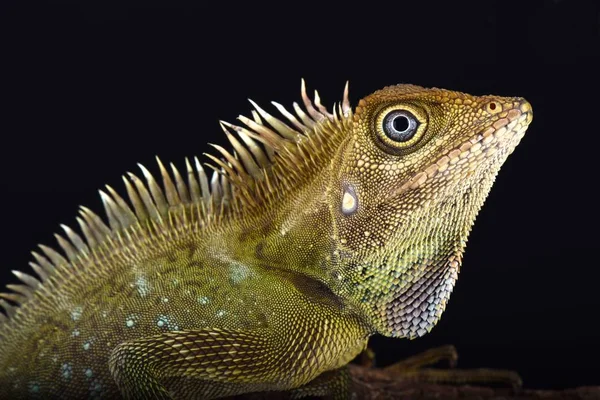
x: 275, y: 278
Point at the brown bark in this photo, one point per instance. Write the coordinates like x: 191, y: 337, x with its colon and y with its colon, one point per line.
x: 379, y: 384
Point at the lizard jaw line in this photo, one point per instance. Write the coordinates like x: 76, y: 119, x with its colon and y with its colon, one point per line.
x: 502, y: 136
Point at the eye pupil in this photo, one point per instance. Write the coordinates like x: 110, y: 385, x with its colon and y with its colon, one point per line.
x: 492, y: 106
x: 401, y: 123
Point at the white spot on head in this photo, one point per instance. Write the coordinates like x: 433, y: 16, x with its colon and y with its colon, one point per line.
x: 130, y: 323
x: 165, y: 300
x: 220, y: 313
x: 88, y: 373
x: 160, y: 323
x: 75, y: 332
x: 203, y: 300
x: 86, y: 346
x: 349, y: 201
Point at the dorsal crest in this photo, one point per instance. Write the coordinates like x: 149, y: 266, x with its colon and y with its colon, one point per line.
x: 268, y: 157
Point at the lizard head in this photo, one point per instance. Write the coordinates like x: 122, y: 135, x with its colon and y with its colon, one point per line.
x: 409, y: 181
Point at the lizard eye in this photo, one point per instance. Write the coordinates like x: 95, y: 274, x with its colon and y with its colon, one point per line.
x: 400, y: 125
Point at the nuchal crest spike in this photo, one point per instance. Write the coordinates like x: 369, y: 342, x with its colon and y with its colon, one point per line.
x: 254, y: 173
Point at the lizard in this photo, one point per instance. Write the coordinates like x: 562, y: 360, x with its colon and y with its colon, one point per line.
x: 317, y: 230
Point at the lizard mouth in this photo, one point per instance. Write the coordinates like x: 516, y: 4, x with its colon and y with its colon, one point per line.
x: 497, y: 139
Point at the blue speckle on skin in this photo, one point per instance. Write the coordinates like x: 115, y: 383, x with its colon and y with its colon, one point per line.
x: 76, y: 313
x: 239, y: 272
x: 220, y: 313
x: 131, y: 320
x: 86, y: 346
x: 75, y: 332
x: 203, y: 300
x: 88, y: 373
x: 96, y: 387
x: 66, y: 371
x: 164, y: 320
x: 34, y: 387
x: 166, y: 300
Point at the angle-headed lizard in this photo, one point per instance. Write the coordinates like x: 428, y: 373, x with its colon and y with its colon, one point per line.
x: 316, y: 231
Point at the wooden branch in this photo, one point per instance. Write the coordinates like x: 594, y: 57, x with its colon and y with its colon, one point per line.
x: 379, y: 384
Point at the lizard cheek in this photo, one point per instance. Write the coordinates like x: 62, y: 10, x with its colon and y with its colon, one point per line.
x: 349, y: 201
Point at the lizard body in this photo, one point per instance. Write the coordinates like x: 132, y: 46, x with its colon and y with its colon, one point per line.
x: 312, y: 235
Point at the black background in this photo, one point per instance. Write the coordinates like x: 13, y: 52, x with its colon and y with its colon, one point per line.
x: 90, y: 91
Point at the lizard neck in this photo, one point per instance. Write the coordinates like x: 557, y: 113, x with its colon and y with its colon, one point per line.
x: 294, y: 235
x: 404, y: 286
